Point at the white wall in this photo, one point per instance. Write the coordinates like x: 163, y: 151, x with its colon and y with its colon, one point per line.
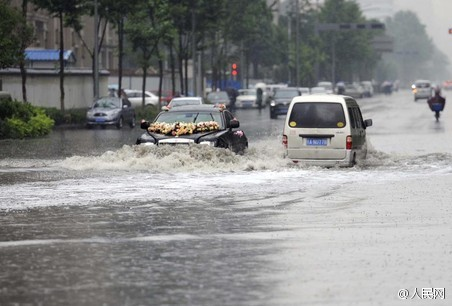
x: 43, y: 87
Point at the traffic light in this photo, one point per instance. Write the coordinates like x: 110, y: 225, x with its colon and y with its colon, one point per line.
x: 450, y: 31
x: 234, y: 70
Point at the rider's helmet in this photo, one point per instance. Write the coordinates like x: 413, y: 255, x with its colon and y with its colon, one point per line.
x: 437, y: 90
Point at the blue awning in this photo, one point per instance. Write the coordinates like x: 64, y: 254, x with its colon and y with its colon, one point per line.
x: 50, y: 55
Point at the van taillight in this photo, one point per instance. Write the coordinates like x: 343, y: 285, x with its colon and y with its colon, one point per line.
x: 348, y: 143
x: 284, y: 141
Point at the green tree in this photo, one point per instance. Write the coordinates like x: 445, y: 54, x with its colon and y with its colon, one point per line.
x: 147, y: 26
x: 12, y: 26
x: 68, y: 13
x: 26, y: 37
x: 413, y: 49
x: 346, y: 50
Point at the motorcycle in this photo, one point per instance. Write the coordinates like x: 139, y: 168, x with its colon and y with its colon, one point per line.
x: 437, y: 108
x: 436, y: 105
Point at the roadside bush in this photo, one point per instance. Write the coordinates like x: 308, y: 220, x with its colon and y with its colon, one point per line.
x: 71, y: 116
x: 20, y: 120
x: 148, y: 113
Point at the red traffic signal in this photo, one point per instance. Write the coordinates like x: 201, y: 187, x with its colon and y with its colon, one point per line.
x: 234, y: 71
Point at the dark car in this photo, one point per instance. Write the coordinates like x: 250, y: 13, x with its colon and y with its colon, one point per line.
x: 111, y: 111
x: 195, y: 124
x: 280, y: 101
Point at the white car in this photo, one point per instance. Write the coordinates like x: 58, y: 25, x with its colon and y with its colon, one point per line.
x: 180, y: 101
x: 247, y: 98
x: 327, y: 85
x: 422, y: 89
x: 318, y: 90
x: 136, y: 97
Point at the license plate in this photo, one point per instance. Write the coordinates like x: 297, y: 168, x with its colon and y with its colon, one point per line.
x: 100, y: 119
x: 316, y: 141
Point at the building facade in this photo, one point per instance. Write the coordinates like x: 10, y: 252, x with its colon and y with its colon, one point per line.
x: 47, y: 36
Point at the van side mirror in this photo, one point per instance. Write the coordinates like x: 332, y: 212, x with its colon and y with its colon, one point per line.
x: 368, y: 122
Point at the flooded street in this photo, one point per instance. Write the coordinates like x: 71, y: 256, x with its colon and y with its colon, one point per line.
x: 88, y: 218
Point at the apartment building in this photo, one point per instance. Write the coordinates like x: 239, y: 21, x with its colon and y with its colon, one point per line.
x: 47, y: 35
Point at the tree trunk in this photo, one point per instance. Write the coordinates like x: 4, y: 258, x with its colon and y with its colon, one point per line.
x: 143, y: 84
x: 23, y: 71
x: 180, y: 59
x: 173, y: 68
x: 121, y: 51
x: 61, y: 62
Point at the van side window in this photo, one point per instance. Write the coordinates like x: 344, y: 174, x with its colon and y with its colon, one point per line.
x: 317, y: 115
x: 352, y: 117
x: 359, y: 118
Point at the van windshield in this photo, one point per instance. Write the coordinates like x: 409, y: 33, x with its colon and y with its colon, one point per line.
x: 317, y: 115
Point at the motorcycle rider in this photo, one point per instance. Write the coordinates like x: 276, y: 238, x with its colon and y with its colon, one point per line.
x: 437, y: 102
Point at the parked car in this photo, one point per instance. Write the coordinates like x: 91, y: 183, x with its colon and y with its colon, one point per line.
x: 447, y: 85
x: 247, y: 98
x: 181, y: 101
x: 354, y: 90
x: 111, y: 111
x: 281, y: 99
x: 325, y: 130
x: 327, y: 85
x: 195, y: 124
x: 218, y: 97
x: 136, y: 97
x: 166, y: 96
x: 422, y: 89
x: 304, y: 91
x: 318, y: 90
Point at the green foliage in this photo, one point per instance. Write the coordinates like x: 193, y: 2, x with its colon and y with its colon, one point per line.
x: 148, y: 113
x: 20, y: 120
x: 14, y: 33
x: 75, y: 116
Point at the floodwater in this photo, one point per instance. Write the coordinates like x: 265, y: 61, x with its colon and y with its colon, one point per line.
x: 88, y: 218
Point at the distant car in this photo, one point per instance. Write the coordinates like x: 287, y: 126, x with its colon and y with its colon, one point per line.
x: 447, y: 85
x: 136, y: 97
x: 247, y: 98
x: 182, y: 101
x: 304, y: 90
x: 354, y: 90
x: 111, y: 111
x: 318, y: 90
x: 281, y: 99
x: 166, y: 96
x: 327, y: 85
x: 218, y: 97
x: 422, y: 89
x: 195, y: 124
x: 368, y: 88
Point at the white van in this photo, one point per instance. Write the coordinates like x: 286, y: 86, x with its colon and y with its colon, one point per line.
x: 325, y: 130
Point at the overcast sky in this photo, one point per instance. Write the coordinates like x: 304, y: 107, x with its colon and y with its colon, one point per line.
x: 436, y: 15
